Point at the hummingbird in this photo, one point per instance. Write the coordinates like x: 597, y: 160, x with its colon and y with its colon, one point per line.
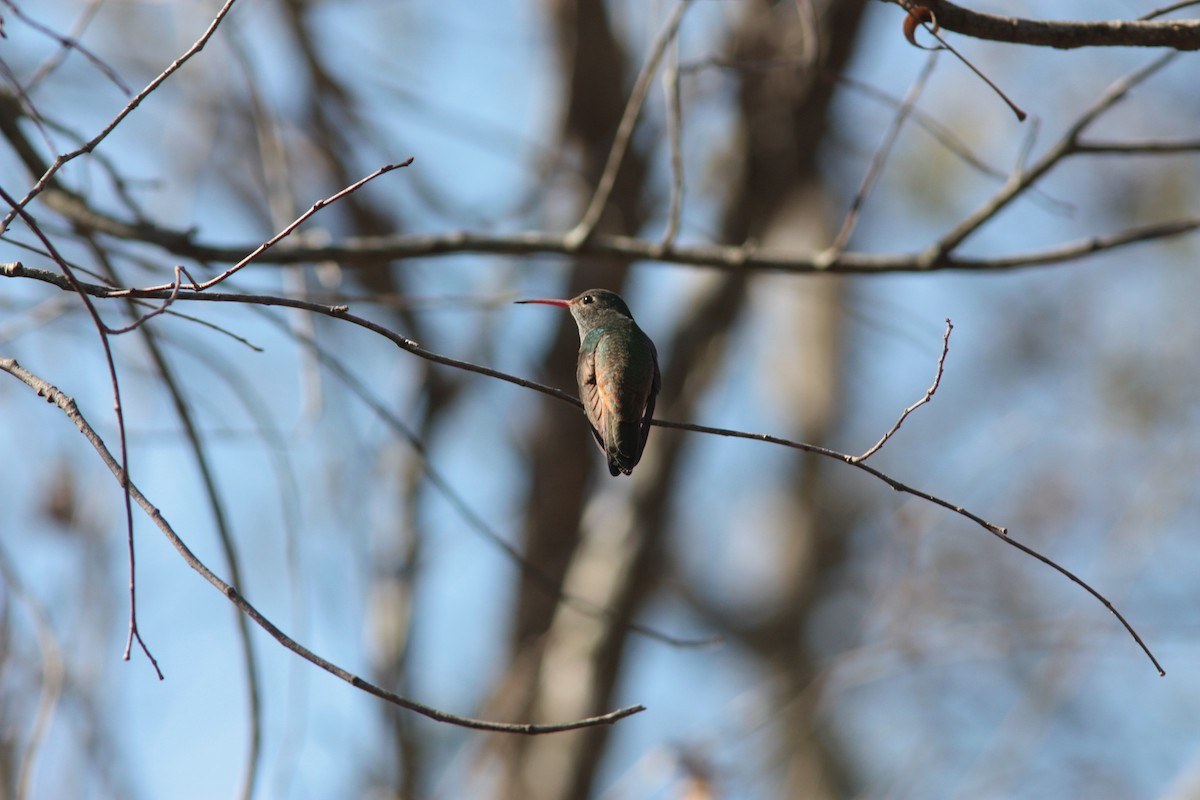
x: 617, y: 373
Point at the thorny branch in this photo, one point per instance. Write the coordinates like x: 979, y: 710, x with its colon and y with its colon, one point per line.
x: 342, y: 312
x: 67, y: 405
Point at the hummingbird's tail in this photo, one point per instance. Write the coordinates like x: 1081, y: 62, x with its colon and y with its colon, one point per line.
x: 623, y: 446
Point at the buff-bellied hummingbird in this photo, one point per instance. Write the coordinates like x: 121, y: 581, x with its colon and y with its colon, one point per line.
x: 617, y: 373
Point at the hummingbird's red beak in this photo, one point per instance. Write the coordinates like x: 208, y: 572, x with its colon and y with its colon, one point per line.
x: 546, y: 302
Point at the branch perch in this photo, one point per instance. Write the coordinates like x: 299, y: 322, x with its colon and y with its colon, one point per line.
x: 343, y: 313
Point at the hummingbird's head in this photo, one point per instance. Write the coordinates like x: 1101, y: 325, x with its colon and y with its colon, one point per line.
x: 595, y: 302
x: 590, y: 307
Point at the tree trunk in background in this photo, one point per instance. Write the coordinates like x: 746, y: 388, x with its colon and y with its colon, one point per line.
x: 562, y: 462
x: 566, y: 665
x: 783, y: 203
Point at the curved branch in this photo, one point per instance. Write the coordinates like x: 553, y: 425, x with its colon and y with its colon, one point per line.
x: 370, y: 250
x: 53, y: 395
x: 1177, y: 34
x: 342, y: 312
x: 71, y: 283
x: 997, y: 531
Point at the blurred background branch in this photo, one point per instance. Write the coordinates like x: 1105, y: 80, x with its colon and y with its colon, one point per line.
x: 792, y: 200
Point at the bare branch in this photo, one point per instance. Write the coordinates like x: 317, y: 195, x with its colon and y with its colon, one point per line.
x: 70, y: 43
x: 342, y: 312
x: 1181, y: 34
x: 74, y: 284
x: 91, y: 144
x: 1145, y: 147
x: 1159, y: 12
x: 881, y: 155
x: 675, y: 144
x: 283, y: 234
x: 1064, y: 147
x: 741, y: 258
x: 1073, y: 251
x: 992, y: 528
x: 937, y: 381
x: 587, y: 224
x: 52, y: 395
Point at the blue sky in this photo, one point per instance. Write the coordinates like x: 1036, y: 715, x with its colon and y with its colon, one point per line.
x: 1065, y: 413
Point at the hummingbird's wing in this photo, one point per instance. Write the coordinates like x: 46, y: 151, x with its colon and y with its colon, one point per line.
x: 590, y: 394
x: 618, y: 383
x: 648, y: 414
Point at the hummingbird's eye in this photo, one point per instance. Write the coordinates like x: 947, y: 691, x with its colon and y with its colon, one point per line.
x: 587, y: 299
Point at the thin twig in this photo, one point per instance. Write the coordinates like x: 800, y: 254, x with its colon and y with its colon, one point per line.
x: 1159, y: 12
x: 674, y: 109
x: 92, y: 143
x: 68, y: 407
x: 76, y: 286
x: 608, y: 179
x: 881, y: 154
x: 297, y: 222
x: 70, y: 43
x: 933, y: 387
x: 1149, y: 147
x: 141, y: 320
x: 927, y: 20
x: 1064, y: 147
